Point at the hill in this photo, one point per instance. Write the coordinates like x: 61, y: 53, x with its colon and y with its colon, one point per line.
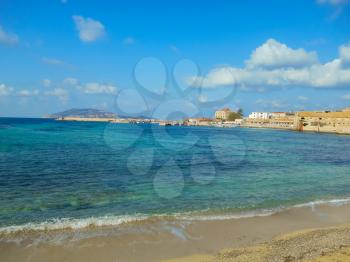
x: 85, y: 112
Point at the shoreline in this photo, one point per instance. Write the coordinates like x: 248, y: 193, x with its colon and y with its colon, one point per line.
x: 158, y: 240
x: 116, y: 121
x: 106, y: 120
x: 108, y: 221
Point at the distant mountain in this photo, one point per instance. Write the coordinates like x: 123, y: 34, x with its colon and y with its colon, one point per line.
x: 93, y: 113
x: 85, y: 112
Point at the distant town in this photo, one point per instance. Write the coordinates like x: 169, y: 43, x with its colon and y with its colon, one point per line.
x: 315, y: 121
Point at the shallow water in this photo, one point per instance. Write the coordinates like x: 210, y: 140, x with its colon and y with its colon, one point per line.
x: 52, y: 173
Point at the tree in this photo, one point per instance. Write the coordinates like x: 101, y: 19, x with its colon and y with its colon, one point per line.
x: 235, y: 115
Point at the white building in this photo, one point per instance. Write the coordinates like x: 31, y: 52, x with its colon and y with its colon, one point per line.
x: 259, y: 115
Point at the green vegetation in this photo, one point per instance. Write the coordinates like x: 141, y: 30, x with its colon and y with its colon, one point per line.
x: 235, y: 115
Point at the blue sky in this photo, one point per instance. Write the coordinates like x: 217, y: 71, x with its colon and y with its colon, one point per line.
x: 136, y: 56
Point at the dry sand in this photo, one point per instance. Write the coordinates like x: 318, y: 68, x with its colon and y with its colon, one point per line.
x: 329, y: 244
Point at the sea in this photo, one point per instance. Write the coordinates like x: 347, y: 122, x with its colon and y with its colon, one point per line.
x: 58, y: 175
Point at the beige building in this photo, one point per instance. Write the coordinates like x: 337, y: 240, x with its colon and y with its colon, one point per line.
x: 282, y: 114
x: 279, y: 120
x: 223, y: 114
x: 279, y: 123
x: 324, y: 121
x: 200, y: 121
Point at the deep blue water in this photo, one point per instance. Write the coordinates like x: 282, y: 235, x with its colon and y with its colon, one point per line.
x: 52, y: 170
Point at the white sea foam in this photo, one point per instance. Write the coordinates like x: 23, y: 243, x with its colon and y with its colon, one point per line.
x: 72, y: 223
x: 332, y: 202
x: 105, y: 221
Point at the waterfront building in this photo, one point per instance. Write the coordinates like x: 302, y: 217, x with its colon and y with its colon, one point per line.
x: 324, y: 121
x: 222, y: 114
x: 199, y: 121
x: 281, y: 114
x: 278, y: 114
x: 259, y: 115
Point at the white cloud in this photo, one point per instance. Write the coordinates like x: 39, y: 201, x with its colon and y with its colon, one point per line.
x: 129, y: 41
x: 46, y: 82
x: 70, y: 81
x: 344, y: 52
x: 5, y: 90
x: 346, y: 97
x: 89, y: 30
x: 333, y: 2
x: 61, y: 93
x: 270, y: 104
x: 25, y: 92
x: 57, y: 62
x: 302, y: 98
x: 273, y: 54
x: 8, y: 38
x: 96, y: 88
x: 258, y: 75
x: 202, y: 98
x: 51, y: 61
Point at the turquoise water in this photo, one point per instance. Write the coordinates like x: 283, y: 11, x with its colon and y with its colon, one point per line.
x: 57, y: 171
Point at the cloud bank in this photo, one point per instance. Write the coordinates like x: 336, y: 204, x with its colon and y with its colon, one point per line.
x: 61, y: 90
x: 274, y: 64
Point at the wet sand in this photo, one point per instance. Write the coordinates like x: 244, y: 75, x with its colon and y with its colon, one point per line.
x: 244, y: 239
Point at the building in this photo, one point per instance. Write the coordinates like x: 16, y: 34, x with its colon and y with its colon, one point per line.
x: 324, y: 121
x: 282, y: 122
x: 259, y: 115
x: 238, y: 122
x: 279, y: 120
x: 201, y: 121
x: 223, y: 114
x: 278, y: 123
x: 281, y: 114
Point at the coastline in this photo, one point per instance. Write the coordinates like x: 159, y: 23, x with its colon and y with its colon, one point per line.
x: 123, y: 121
x: 164, y: 239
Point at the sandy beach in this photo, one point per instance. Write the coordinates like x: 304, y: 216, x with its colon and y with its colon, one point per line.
x: 313, y: 233
x: 327, y: 244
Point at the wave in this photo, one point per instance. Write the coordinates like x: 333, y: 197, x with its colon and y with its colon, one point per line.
x: 113, y: 221
x: 71, y: 224
x: 331, y: 202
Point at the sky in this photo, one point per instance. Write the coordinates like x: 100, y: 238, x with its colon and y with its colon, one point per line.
x: 172, y: 58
